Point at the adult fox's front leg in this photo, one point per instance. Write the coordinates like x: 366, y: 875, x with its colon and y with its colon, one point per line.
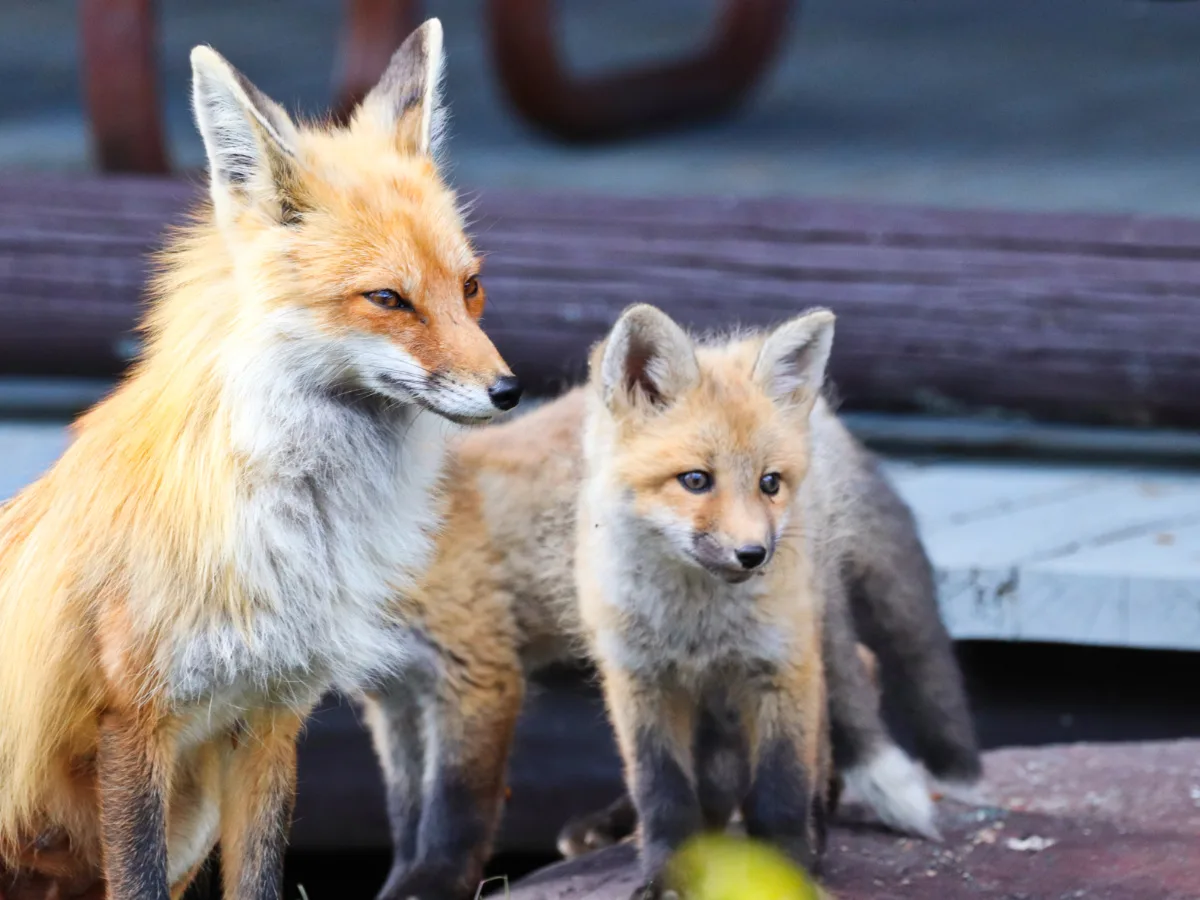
x: 133, y: 771
x: 256, y: 805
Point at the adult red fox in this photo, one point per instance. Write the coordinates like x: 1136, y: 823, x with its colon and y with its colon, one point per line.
x: 219, y: 545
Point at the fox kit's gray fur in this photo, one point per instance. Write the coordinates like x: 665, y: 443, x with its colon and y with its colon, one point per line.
x: 889, y: 583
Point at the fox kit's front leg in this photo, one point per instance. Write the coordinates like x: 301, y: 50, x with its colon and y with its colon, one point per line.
x: 787, y: 797
x: 133, y: 773
x: 256, y: 805
x: 655, y: 729
x: 722, y: 759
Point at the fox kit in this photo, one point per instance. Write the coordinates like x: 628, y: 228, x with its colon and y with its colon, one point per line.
x: 220, y: 543
x: 498, y: 603
x: 697, y: 579
x: 879, y: 588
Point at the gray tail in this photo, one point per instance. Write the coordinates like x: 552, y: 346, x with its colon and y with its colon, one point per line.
x: 894, y: 597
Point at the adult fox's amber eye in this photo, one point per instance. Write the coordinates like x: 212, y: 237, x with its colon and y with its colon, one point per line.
x: 769, y: 484
x: 388, y: 299
x: 696, y: 482
x: 471, y: 287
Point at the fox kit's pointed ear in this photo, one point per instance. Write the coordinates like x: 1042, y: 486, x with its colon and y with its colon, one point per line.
x: 791, y: 363
x: 250, y: 141
x: 406, y: 101
x: 647, y: 359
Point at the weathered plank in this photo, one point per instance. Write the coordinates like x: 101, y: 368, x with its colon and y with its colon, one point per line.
x: 1104, y: 555
x: 1069, y: 318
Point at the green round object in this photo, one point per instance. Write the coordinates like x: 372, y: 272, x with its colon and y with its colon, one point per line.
x: 720, y: 867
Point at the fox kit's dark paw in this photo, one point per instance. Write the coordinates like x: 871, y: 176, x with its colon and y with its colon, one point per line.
x: 597, y: 830
x: 581, y: 836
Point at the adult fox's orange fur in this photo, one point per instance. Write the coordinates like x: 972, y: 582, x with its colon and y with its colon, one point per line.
x: 218, y: 546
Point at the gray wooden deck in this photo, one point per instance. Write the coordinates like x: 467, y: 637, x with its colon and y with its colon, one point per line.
x: 1101, y: 555
x: 1035, y: 551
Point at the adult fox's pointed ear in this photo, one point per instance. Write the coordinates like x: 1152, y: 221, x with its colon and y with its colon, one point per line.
x: 249, y: 139
x: 791, y: 364
x: 407, y: 99
x: 647, y: 360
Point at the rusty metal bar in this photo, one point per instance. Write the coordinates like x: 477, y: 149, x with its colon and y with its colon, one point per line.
x: 373, y: 31
x: 120, y: 84
x: 708, y: 84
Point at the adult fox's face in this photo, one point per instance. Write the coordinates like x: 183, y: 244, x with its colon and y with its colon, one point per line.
x: 347, y: 241
x: 709, y: 443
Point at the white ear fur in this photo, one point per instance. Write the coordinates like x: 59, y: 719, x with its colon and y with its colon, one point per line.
x: 791, y: 364
x: 647, y: 357
x: 407, y: 99
x: 249, y: 139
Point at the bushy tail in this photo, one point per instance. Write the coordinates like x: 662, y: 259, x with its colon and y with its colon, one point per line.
x: 896, y: 611
x: 871, y: 769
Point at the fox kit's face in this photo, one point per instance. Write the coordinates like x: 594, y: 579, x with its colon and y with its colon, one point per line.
x: 709, y: 443
x: 715, y: 473
x: 350, y: 239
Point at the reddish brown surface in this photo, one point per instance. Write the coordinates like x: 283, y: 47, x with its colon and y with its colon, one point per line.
x: 524, y: 36
x: 1122, y: 822
x: 118, y: 43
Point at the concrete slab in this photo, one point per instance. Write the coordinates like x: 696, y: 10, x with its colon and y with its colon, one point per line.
x: 26, y: 450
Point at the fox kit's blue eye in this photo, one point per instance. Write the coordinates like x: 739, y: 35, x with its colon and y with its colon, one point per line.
x: 769, y: 484
x: 388, y: 299
x: 696, y: 482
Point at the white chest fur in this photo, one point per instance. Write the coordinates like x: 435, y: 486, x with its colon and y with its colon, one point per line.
x: 338, y: 513
x: 673, y: 616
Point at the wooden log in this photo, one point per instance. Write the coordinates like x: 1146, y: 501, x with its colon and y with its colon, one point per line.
x: 1069, y: 318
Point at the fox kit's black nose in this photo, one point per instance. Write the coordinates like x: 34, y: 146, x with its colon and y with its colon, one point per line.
x: 751, y: 556
x: 505, y: 392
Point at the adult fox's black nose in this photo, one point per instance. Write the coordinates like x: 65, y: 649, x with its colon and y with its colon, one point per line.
x: 751, y: 556
x: 505, y: 392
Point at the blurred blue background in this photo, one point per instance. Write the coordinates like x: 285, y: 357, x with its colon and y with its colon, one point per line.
x: 1072, y: 104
